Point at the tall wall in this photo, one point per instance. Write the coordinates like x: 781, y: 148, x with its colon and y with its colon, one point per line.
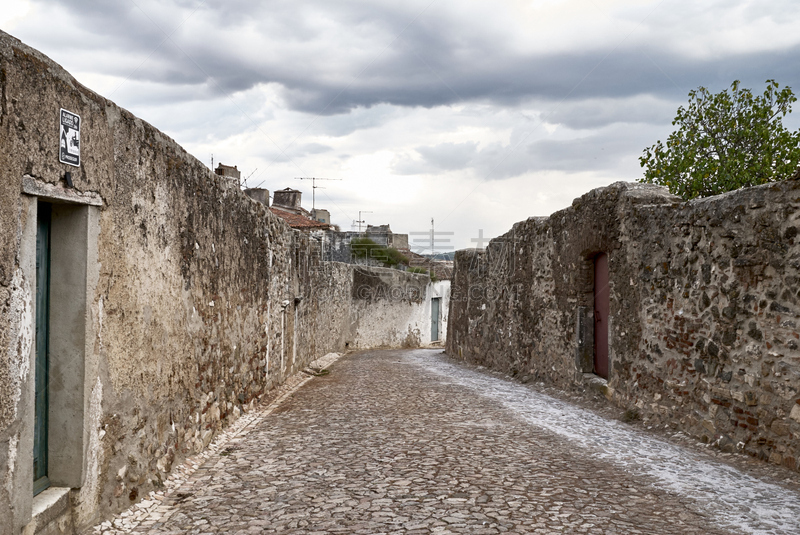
x: 176, y: 302
x: 703, y: 327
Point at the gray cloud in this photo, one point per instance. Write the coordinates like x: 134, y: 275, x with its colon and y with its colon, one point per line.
x: 449, y: 156
x: 569, y: 77
x: 614, y: 148
x: 273, y: 154
x: 602, y: 151
x: 225, y: 47
x: 599, y: 112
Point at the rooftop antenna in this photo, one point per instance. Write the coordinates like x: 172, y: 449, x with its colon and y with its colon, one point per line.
x: 314, y: 187
x: 248, y: 176
x: 361, y: 220
x: 433, y: 247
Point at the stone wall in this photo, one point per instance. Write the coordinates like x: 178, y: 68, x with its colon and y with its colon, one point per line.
x: 392, y: 308
x: 704, y: 318
x: 336, y: 245
x: 180, y: 300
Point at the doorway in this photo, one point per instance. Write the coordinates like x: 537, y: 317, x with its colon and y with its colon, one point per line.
x: 435, y: 319
x: 601, y: 315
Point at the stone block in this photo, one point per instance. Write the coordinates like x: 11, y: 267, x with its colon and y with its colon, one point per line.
x: 721, y: 393
x: 795, y: 414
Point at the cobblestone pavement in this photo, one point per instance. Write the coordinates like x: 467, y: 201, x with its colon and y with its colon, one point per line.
x: 410, y: 442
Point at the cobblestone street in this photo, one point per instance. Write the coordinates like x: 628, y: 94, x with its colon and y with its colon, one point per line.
x: 412, y: 442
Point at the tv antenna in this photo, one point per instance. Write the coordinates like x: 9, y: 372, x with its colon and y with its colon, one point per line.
x: 314, y: 187
x: 359, y: 221
x: 244, y: 182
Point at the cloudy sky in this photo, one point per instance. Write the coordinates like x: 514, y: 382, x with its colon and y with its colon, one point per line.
x: 477, y: 114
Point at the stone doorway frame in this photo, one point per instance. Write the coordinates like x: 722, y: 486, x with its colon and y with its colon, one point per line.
x: 73, y: 363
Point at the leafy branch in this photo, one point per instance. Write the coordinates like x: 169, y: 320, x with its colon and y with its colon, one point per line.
x: 725, y: 141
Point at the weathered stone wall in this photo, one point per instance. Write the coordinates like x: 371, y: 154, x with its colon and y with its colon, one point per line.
x: 392, y: 308
x: 199, y: 300
x: 704, y: 308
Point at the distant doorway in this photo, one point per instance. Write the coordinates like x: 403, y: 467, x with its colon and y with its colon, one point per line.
x: 601, y: 313
x: 435, y: 319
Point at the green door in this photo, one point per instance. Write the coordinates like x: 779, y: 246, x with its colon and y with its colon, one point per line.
x: 40, y: 481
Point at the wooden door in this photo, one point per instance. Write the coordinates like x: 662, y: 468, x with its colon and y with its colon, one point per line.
x: 41, y: 372
x: 601, y: 312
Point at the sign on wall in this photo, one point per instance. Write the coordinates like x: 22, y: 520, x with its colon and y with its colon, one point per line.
x: 69, y: 138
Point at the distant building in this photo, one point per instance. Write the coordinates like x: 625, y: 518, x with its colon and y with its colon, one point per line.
x: 383, y: 235
x: 228, y: 172
x: 299, y: 221
x: 338, y: 248
x: 289, y: 200
x: 286, y: 205
x: 323, y: 216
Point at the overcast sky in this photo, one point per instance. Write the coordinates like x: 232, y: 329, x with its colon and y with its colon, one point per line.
x: 477, y: 114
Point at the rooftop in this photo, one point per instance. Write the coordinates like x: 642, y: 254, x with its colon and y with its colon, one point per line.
x: 299, y: 221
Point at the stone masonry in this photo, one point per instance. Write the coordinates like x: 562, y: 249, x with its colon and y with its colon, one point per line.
x: 177, y: 302
x: 705, y: 317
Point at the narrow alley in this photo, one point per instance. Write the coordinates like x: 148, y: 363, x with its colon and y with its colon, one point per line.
x: 412, y: 442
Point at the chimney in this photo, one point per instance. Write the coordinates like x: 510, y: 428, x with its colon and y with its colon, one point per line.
x: 289, y: 198
x: 259, y: 194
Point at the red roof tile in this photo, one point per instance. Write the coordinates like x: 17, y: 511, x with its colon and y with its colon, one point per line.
x: 299, y: 221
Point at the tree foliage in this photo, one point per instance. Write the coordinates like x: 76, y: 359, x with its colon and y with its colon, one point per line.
x: 363, y: 247
x: 725, y: 141
x: 423, y: 271
x: 368, y: 248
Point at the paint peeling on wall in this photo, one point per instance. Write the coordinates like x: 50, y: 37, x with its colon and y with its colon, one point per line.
x: 20, y: 314
x: 13, y: 444
x: 89, y: 495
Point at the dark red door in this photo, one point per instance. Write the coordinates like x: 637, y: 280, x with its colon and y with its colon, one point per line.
x: 601, y: 309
